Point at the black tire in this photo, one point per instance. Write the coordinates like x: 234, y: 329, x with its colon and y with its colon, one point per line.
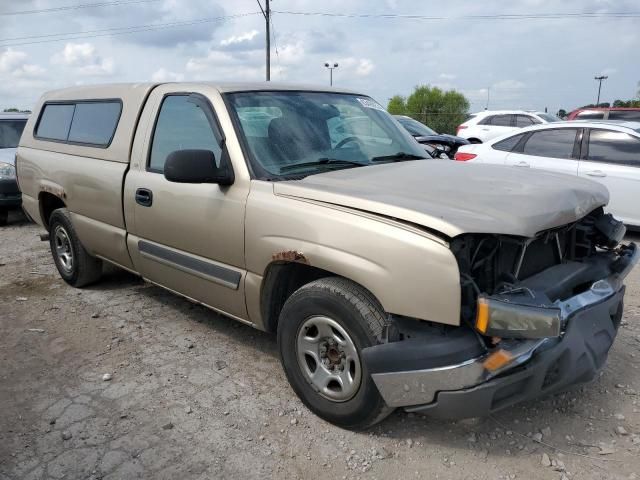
x: 362, y: 317
x: 83, y: 268
x: 4, y: 216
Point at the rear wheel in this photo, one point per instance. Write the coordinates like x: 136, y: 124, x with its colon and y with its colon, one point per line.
x: 75, y: 265
x: 4, y: 215
x: 322, y: 330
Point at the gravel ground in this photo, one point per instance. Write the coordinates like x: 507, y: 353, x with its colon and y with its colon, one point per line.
x: 189, y: 394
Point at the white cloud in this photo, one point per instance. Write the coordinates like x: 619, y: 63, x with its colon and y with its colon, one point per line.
x: 291, y: 53
x: 361, y: 67
x: 365, y: 67
x: 213, y: 58
x: 84, y: 58
x: 609, y: 71
x: 509, y: 85
x: 30, y: 71
x: 238, y: 39
x: 10, y: 59
x: 164, y: 75
x: 448, y: 76
x: 14, y: 62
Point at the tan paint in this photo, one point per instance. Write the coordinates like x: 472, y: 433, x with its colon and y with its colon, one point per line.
x: 384, y: 227
x: 407, y: 270
x: 132, y: 96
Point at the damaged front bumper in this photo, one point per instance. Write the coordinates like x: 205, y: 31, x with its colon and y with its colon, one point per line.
x: 452, y: 379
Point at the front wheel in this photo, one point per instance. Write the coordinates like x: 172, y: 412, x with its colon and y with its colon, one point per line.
x: 322, y: 330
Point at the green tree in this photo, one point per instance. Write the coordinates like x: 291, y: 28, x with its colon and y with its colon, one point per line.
x: 11, y: 110
x: 397, y: 105
x: 441, y: 110
x: 562, y: 113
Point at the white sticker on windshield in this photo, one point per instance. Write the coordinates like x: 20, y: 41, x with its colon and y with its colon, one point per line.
x: 369, y: 103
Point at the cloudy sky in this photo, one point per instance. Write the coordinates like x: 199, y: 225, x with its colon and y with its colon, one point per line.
x: 525, y: 63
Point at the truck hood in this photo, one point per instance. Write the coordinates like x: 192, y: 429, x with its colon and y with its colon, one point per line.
x: 454, y: 197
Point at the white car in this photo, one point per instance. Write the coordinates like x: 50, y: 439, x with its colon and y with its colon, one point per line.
x: 605, y: 151
x: 483, y: 126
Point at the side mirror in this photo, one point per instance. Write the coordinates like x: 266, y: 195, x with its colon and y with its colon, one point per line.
x: 197, y: 166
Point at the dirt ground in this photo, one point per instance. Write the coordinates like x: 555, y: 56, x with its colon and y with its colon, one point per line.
x: 194, y: 395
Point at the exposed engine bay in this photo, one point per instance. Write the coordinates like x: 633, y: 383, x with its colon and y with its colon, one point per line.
x: 555, y: 265
x: 538, y: 315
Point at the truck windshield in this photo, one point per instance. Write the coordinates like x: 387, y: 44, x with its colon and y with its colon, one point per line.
x: 10, y: 131
x: 294, y: 133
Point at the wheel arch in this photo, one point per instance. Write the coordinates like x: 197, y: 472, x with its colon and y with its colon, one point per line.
x: 49, y: 202
x: 281, y: 280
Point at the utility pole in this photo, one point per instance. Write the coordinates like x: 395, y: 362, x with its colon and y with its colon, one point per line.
x: 266, y: 13
x: 600, y: 79
x: 488, y: 95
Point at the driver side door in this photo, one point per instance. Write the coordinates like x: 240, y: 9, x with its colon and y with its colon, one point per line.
x: 186, y: 237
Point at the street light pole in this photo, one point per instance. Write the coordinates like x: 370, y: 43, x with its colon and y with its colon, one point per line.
x: 600, y: 79
x: 331, y: 67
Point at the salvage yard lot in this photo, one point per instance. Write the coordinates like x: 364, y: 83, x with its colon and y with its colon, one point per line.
x: 193, y: 395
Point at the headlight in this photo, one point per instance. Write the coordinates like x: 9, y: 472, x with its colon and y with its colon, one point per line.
x: 496, y: 318
x: 7, y: 170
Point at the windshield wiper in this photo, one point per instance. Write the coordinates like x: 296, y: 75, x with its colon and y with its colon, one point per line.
x: 321, y: 161
x: 398, y: 157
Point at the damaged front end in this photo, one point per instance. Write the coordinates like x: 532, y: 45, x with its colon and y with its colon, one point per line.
x: 537, y: 316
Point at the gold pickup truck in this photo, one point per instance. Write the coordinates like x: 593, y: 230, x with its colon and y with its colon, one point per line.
x: 391, y: 279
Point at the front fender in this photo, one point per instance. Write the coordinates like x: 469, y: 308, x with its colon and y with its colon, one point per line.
x: 411, y: 272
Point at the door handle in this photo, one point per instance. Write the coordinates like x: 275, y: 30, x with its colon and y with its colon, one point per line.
x: 522, y: 164
x: 144, y: 197
x: 596, y: 173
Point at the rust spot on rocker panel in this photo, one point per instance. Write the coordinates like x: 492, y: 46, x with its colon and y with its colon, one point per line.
x: 290, y: 256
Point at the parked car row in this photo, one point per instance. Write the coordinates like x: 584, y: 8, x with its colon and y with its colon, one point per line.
x: 391, y: 280
x: 11, y: 127
x: 612, y: 113
x: 607, y: 152
x: 483, y: 126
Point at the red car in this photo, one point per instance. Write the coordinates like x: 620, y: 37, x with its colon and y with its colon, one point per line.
x: 611, y: 113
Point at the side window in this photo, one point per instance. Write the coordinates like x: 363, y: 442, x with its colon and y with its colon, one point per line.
x: 556, y: 143
x: 487, y: 120
x: 94, y: 122
x: 55, y: 121
x: 633, y: 115
x: 614, y: 147
x: 590, y: 115
x: 90, y: 123
x: 180, y: 125
x: 523, y: 121
x: 508, y: 144
x: 501, y: 121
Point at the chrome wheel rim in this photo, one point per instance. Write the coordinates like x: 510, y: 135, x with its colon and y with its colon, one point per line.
x: 62, y: 245
x: 328, y: 359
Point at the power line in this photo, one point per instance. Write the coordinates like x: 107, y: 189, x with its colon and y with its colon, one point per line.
x: 106, y: 32
x: 76, y: 7
x: 530, y: 16
x: 275, y: 44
